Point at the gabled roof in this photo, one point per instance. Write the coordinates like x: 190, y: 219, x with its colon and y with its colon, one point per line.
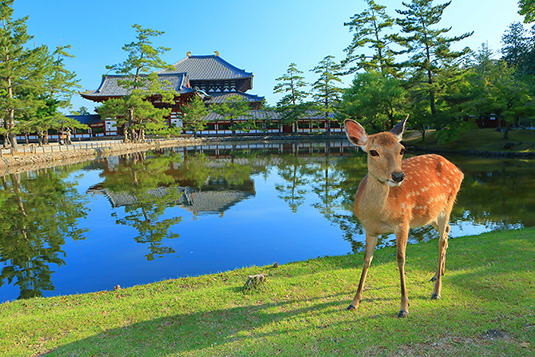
x: 217, y: 98
x: 110, y: 88
x: 210, y: 67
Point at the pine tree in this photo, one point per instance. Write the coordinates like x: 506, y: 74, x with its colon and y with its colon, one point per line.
x: 135, y: 110
x: 428, y: 48
x: 22, y: 73
x: 233, y: 108
x: 195, y: 117
x: 326, y: 92
x: 369, y: 29
x: 291, y: 106
x: 60, y: 84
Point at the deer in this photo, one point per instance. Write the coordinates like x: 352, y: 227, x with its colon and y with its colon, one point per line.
x: 396, y: 195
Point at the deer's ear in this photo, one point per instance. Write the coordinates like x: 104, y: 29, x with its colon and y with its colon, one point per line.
x: 399, y: 128
x: 355, y: 133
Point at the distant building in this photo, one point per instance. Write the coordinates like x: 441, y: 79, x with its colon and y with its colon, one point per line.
x: 214, y: 80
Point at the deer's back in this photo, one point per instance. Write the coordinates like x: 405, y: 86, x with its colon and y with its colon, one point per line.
x: 430, y: 187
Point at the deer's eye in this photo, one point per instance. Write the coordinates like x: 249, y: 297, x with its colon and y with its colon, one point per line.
x: 402, y: 152
x: 374, y: 153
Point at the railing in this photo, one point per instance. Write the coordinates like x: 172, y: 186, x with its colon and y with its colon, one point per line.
x: 25, y: 149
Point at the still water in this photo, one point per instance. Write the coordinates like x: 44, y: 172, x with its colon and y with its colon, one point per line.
x: 171, y: 213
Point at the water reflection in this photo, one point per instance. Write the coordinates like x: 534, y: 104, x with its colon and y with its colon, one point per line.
x: 212, y: 208
x: 39, y: 212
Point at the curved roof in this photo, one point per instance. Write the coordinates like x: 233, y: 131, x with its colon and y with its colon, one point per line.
x: 208, y: 68
x: 217, y: 98
x: 110, y: 88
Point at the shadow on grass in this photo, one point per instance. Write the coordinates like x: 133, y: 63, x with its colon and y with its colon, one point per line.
x: 191, y: 332
x: 253, y: 327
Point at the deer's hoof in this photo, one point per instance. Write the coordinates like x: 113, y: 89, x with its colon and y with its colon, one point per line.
x: 435, y: 296
x: 350, y: 308
x: 403, y: 313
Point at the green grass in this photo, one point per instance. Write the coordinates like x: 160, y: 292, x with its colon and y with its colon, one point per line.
x: 481, y: 140
x: 487, y: 309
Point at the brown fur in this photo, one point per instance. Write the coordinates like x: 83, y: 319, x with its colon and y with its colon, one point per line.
x: 425, y: 196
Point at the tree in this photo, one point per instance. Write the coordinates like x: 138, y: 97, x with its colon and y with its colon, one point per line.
x: 135, y: 109
x: 326, y: 93
x: 233, y: 108
x: 518, y: 49
x: 428, y: 49
x: 22, y: 71
x: 376, y: 97
x: 195, y: 117
x: 527, y: 9
x: 60, y: 85
x: 369, y: 27
x: 291, y: 106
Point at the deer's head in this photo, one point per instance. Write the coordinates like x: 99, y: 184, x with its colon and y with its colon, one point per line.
x: 384, y: 150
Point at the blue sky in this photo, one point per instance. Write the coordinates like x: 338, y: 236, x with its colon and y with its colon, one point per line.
x: 262, y: 37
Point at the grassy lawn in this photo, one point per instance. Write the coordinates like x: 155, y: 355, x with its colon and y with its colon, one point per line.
x: 481, y: 140
x: 487, y: 309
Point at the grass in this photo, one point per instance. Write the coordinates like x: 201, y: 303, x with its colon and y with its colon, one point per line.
x: 487, y: 309
x: 481, y: 140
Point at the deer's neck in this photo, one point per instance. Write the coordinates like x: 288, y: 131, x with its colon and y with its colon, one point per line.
x: 371, y: 198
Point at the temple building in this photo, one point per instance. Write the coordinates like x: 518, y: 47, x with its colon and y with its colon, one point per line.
x: 214, y: 80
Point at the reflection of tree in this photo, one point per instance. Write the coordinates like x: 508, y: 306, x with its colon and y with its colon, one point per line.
x: 497, y: 193
x: 344, y: 180
x: 293, y: 170
x: 325, y: 184
x: 38, y: 213
x: 139, y: 178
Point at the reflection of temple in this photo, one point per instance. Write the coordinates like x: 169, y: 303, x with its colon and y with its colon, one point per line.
x: 196, y: 201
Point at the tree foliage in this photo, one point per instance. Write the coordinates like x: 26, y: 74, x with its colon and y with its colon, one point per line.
x: 326, y: 92
x: 195, y: 115
x: 135, y: 109
x: 292, y: 106
x: 427, y: 47
x: 377, y: 99
x: 369, y: 29
x: 233, y: 108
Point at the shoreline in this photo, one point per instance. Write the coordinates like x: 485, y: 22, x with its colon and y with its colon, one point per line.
x: 21, y: 162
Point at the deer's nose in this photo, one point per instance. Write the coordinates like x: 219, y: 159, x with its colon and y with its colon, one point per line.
x: 398, y: 176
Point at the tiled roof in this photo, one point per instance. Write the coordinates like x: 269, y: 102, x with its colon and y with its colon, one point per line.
x: 190, y: 199
x: 110, y: 88
x: 218, y: 98
x: 268, y: 114
x: 208, y: 68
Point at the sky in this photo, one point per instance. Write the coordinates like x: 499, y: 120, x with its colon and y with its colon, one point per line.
x: 262, y: 37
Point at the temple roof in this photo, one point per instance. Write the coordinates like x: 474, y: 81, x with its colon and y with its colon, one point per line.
x: 110, y: 88
x: 193, y: 200
x: 210, y: 67
x: 269, y: 114
x: 217, y: 98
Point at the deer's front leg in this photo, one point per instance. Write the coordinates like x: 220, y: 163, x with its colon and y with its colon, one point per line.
x: 371, y: 242
x: 401, y: 243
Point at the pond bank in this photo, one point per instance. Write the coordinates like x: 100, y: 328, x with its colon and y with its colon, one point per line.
x: 56, y: 154
x: 497, y: 154
x: 69, y: 154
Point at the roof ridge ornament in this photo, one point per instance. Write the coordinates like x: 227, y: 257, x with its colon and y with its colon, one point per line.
x: 216, y: 53
x: 188, y: 54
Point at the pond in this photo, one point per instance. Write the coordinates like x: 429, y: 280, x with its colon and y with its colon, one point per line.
x: 146, y: 217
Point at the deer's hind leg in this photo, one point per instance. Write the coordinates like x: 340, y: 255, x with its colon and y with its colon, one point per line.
x: 443, y: 228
